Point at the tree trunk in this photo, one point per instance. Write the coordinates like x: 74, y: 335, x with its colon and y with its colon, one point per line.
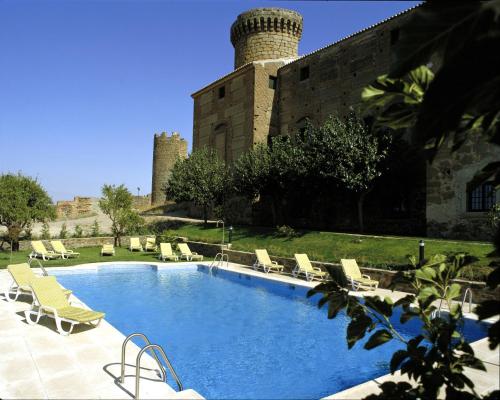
x: 205, y: 215
x: 13, y: 233
x: 361, y: 200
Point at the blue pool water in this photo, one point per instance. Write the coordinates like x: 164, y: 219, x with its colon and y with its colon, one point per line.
x: 234, y: 336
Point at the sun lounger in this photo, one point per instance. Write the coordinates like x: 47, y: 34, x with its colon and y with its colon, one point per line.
x: 39, y: 251
x: 263, y: 261
x: 187, y: 254
x: 22, y: 275
x: 135, y: 244
x: 51, y: 301
x: 151, y: 244
x: 59, y: 248
x: 355, y: 278
x: 107, y: 249
x: 304, y: 266
x: 166, y: 252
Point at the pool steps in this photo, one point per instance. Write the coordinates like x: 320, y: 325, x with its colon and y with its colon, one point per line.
x: 153, y: 348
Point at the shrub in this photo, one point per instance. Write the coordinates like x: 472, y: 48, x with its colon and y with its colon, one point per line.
x: 45, y: 234
x: 63, y: 233
x: 285, y: 231
x: 94, y: 230
x: 78, y: 231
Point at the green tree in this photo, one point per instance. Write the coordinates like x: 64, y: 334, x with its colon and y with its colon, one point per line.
x: 116, y: 203
x: 94, y: 230
x: 437, y: 356
x: 200, y: 178
x: 347, y: 153
x: 63, y: 233
x: 272, y: 171
x: 23, y: 201
x: 45, y: 233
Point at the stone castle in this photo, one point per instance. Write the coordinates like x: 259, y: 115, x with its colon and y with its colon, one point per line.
x: 273, y: 91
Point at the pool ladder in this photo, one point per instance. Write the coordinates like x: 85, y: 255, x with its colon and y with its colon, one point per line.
x: 468, y: 291
x: 219, y: 260
x: 153, y: 348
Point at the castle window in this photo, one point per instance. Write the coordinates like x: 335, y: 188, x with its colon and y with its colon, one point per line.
x: 222, y: 92
x: 394, y: 36
x: 304, y: 73
x: 273, y: 80
x: 481, y: 198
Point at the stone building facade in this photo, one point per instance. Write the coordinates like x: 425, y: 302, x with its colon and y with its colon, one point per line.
x: 273, y: 91
x: 166, y: 151
x: 78, y: 207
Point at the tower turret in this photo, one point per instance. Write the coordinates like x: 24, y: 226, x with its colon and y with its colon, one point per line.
x: 166, y: 151
x: 265, y: 33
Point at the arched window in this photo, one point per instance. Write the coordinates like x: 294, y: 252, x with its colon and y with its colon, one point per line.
x: 481, y: 198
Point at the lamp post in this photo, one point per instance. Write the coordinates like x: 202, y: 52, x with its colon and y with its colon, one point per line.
x: 421, y: 253
x: 230, y: 236
x: 138, y: 191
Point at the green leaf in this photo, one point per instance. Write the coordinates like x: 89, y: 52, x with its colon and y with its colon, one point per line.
x: 397, y: 358
x: 379, y: 337
x: 453, y: 291
x: 356, y: 329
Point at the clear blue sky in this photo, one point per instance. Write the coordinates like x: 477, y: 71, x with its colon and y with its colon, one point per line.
x: 84, y: 85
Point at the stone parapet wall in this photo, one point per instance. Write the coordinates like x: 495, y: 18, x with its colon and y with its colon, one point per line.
x: 480, y: 291
x: 75, y: 243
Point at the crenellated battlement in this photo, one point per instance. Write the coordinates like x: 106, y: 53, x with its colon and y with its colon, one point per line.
x: 266, y: 33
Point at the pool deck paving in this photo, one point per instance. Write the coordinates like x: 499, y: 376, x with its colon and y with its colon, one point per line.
x: 37, y: 362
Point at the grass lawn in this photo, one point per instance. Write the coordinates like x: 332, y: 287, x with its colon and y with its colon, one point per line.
x: 87, y: 255
x: 329, y: 246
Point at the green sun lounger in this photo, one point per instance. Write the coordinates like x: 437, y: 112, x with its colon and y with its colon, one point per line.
x: 59, y: 248
x: 135, y: 244
x: 39, y: 251
x: 263, y: 261
x: 50, y: 301
x: 107, y: 249
x: 22, y: 275
x: 151, y: 244
x: 304, y: 266
x: 187, y: 253
x: 355, y: 278
x: 166, y: 252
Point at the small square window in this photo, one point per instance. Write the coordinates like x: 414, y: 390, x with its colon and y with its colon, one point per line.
x: 304, y: 73
x: 222, y: 92
x: 394, y: 36
x: 273, y: 81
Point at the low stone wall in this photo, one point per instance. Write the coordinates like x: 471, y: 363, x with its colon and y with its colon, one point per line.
x: 73, y: 243
x: 480, y: 291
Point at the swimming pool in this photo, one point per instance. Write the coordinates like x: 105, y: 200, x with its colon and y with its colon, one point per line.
x: 231, y: 335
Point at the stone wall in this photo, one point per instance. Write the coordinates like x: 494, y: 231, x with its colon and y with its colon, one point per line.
x: 447, y: 190
x: 79, y: 206
x: 166, y: 151
x: 265, y: 34
x: 74, y: 243
x: 480, y: 291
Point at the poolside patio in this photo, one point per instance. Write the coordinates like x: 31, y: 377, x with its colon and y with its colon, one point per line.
x: 36, y: 362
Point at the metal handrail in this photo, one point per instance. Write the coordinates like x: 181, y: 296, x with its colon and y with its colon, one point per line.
x: 44, y: 272
x: 467, y: 291
x: 148, y: 343
x: 219, y: 259
x: 165, y: 358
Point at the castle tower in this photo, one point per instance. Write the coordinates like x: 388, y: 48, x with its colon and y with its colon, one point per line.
x: 166, y: 151
x: 265, y: 34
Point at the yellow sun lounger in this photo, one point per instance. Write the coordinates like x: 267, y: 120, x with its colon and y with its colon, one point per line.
x: 22, y: 275
x: 187, y: 254
x: 107, y: 249
x: 39, y: 251
x: 166, y: 252
x: 355, y: 278
x: 305, y: 267
x: 51, y: 301
x: 263, y: 261
x: 135, y: 244
x: 59, y: 248
x: 151, y: 244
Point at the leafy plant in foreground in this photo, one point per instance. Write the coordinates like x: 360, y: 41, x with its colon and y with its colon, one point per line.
x: 435, y: 358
